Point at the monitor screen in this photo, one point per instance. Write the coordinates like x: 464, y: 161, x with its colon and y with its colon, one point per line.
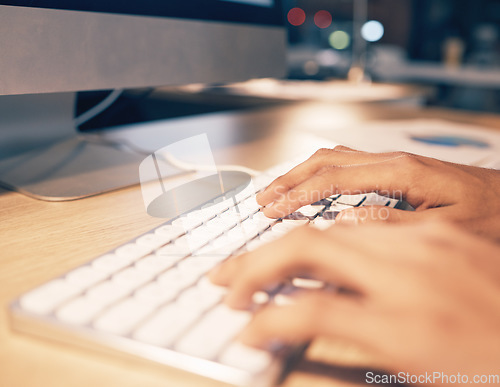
x: 60, y: 45
x: 243, y: 11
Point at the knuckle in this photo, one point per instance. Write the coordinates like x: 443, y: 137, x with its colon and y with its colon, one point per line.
x: 409, y: 160
x: 280, y: 181
x: 325, y: 170
x: 323, y: 152
x: 342, y: 148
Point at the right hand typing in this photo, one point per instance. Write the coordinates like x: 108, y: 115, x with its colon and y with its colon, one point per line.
x: 436, y: 189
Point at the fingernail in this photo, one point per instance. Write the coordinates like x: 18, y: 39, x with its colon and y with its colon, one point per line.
x: 214, y: 273
x: 235, y: 303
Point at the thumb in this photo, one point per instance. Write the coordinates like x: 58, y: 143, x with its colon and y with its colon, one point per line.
x: 367, y: 214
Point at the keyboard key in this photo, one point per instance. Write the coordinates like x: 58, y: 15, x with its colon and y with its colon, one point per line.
x: 285, y: 296
x: 261, y: 182
x: 261, y: 218
x: 322, y: 223
x: 307, y: 283
x: 163, y: 328
x: 255, y: 244
x: 132, y: 251
x: 199, y: 237
x: 131, y: 278
x: 85, y: 276
x: 107, y: 293
x: 178, y: 279
x: 205, y: 285
x: 202, y: 215
x: 223, y: 246
x: 179, y: 250
x: 219, y: 225
x: 45, y: 298
x: 155, y: 264
x: 209, y: 336
x: 309, y: 211
x: 245, y: 212
x: 121, y: 318
x: 392, y: 203
x: 249, y: 204
x: 260, y: 298
x: 169, y: 231
x: 270, y: 236
x: 246, y: 358
x: 187, y: 223
x: 285, y: 227
x: 296, y: 219
x: 330, y: 215
x: 203, y: 233
x: 352, y: 200
x: 322, y: 202
x: 110, y: 263
x: 198, y: 264
x: 253, y: 227
x: 155, y: 294
x: 195, y: 298
x: 153, y: 241
x: 232, y: 216
x: 339, y: 207
x: 80, y: 311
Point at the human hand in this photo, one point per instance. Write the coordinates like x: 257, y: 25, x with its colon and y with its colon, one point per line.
x: 424, y: 297
x: 436, y: 189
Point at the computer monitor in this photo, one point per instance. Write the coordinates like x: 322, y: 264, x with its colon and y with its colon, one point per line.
x: 54, y: 48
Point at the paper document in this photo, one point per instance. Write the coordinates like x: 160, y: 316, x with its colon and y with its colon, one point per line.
x: 455, y: 142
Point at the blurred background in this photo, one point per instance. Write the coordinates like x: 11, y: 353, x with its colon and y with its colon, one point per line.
x: 452, y: 45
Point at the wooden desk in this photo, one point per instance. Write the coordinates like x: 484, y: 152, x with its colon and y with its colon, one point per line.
x: 40, y: 240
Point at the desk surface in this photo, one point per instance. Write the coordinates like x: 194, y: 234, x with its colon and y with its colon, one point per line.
x: 40, y: 240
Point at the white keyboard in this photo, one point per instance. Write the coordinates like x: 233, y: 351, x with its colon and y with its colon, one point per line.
x: 151, y: 298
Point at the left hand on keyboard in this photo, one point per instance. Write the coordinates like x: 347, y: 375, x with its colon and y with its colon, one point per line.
x: 425, y: 296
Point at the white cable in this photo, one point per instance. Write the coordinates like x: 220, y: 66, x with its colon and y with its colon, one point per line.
x: 99, y: 108
x: 197, y: 167
x: 169, y: 158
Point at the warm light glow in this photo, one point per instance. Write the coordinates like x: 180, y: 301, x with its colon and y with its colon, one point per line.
x: 339, y: 40
x: 311, y: 68
x: 296, y: 16
x: 372, y: 31
x: 323, y: 19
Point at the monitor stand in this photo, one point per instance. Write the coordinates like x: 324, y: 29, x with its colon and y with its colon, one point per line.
x: 42, y: 155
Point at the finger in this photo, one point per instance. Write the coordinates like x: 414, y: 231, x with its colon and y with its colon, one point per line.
x: 311, y: 315
x: 222, y: 274
x: 387, y: 245
x: 289, y: 180
x: 303, y: 252
x: 393, y: 177
x: 323, y: 157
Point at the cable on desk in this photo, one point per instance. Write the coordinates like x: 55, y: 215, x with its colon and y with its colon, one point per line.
x: 168, y: 157
x: 99, y: 108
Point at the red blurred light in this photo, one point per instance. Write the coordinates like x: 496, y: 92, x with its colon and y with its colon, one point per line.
x: 296, y: 16
x: 323, y: 19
